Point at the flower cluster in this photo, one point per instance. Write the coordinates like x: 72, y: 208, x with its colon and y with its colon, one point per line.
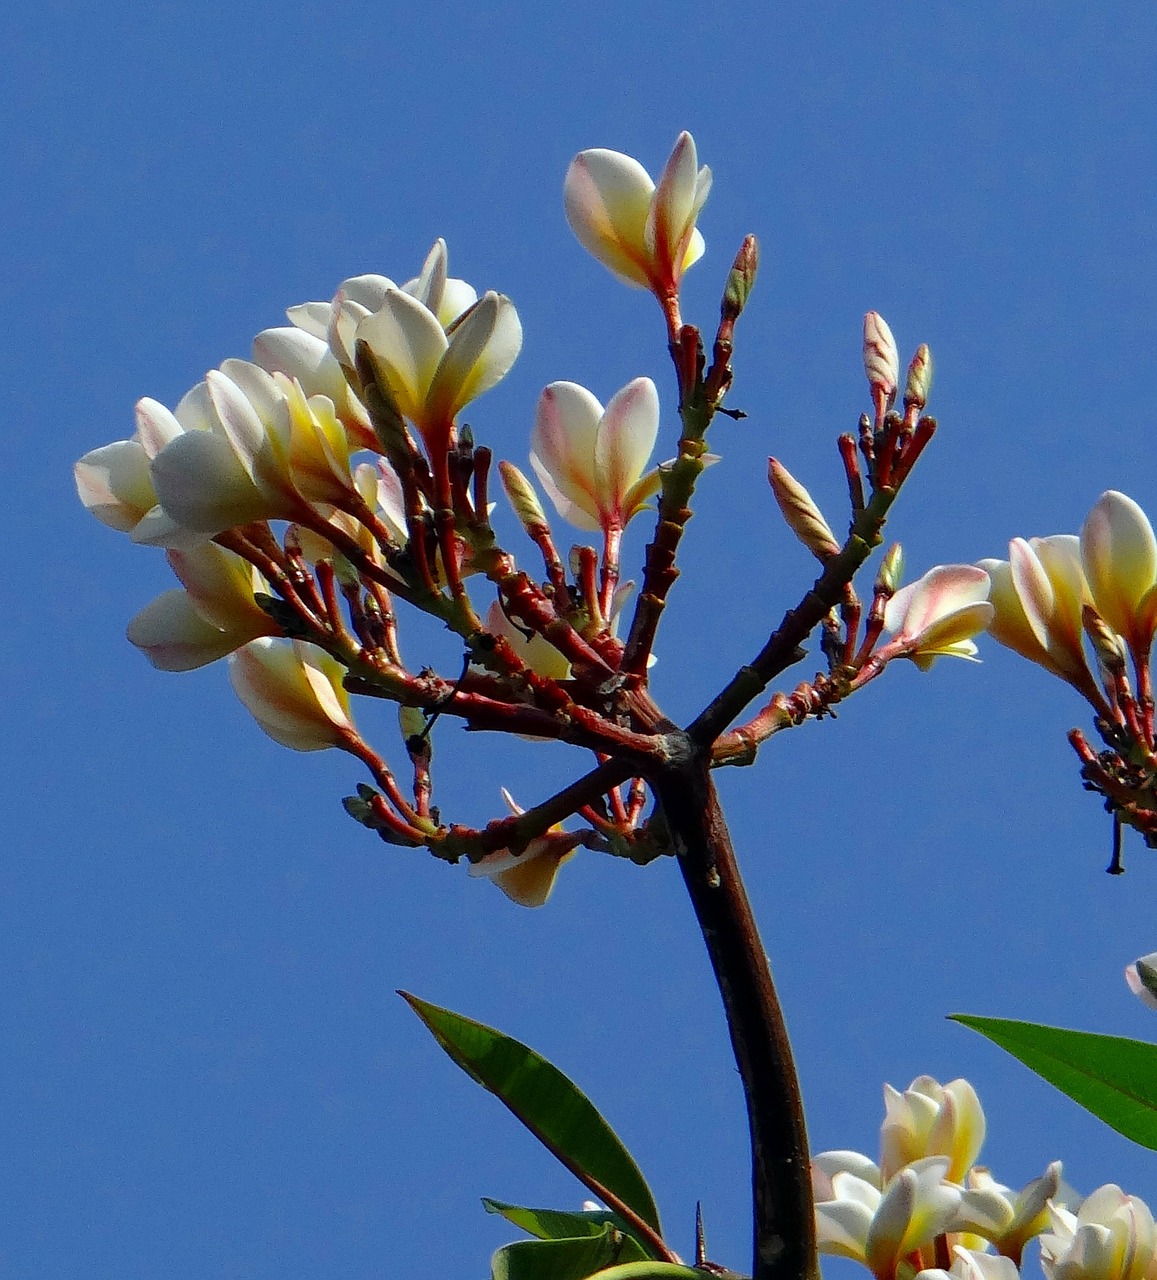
x: 301, y: 494
x: 927, y: 1210
x: 1085, y: 609
x: 331, y: 468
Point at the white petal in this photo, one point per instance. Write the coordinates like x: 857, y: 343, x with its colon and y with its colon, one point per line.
x: 405, y: 344
x: 174, y: 636
x: 625, y: 441
x: 156, y: 426
x: 1120, y: 558
x: 482, y: 349
x: 202, y: 485
x: 673, y: 204
x: 562, y: 450
x: 608, y: 200
x: 114, y: 484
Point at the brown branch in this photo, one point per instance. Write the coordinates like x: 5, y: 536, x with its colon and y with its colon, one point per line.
x: 784, y: 1215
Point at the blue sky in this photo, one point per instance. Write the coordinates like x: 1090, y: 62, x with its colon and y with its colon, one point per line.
x: 206, y: 1071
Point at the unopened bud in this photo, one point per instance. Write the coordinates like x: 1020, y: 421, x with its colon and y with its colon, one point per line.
x: 741, y: 278
x: 891, y: 570
x: 344, y: 571
x: 412, y: 722
x: 1107, y: 644
x: 801, y: 513
x: 881, y: 361
x: 522, y: 496
x: 919, y: 386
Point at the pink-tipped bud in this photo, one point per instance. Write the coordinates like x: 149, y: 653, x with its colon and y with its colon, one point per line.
x: 919, y: 385
x: 741, y: 279
x: 522, y: 496
x: 803, y: 517
x: 881, y: 361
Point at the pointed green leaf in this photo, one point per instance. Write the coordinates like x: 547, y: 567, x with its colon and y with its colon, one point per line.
x: 561, y: 1259
x: 1113, y: 1077
x: 559, y: 1115
x: 557, y: 1224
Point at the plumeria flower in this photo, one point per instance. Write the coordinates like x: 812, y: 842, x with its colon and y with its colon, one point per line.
x: 1119, y: 554
x: 882, y: 1226
x: 294, y: 691
x: 1038, y: 594
x: 938, y: 615
x: 211, y: 615
x: 1010, y: 1219
x: 115, y: 482
x: 335, y: 323
x: 972, y: 1264
x: 591, y: 460
x: 931, y: 1119
x: 221, y: 465
x: 429, y: 376
x: 1141, y: 976
x: 643, y: 233
x: 528, y: 877
x: 1111, y: 1237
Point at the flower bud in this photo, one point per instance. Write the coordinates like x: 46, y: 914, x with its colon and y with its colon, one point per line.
x: 919, y: 379
x: 741, y: 279
x: 1107, y: 644
x: 891, y: 570
x: 294, y: 691
x: 522, y: 496
x: 798, y: 508
x: 881, y: 361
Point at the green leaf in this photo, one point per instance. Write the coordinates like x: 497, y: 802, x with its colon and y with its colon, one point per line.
x: 562, y: 1259
x: 557, y: 1224
x: 650, y: 1271
x: 1114, y: 1078
x: 559, y: 1115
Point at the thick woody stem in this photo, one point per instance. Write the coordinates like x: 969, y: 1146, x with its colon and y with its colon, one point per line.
x: 784, y: 1215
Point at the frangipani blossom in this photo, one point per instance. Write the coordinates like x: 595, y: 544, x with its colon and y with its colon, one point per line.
x: 224, y: 466
x: 1111, y: 1237
x: 335, y: 322
x: 528, y: 878
x: 643, y: 233
x: 937, y: 615
x: 115, y: 481
x: 931, y: 1119
x: 1119, y: 554
x: 1009, y: 1219
x: 1038, y: 594
x: 428, y: 376
x: 294, y: 691
x: 882, y: 1227
x: 1141, y: 976
x: 591, y: 461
